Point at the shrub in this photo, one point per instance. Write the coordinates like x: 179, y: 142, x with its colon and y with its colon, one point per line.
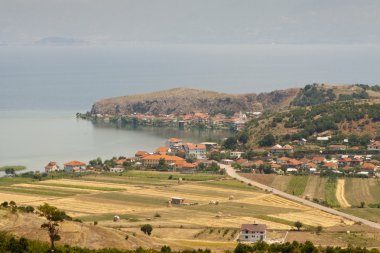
x: 147, y: 229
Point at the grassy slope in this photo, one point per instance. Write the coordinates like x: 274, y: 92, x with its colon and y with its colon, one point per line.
x: 297, y: 185
x: 330, y: 191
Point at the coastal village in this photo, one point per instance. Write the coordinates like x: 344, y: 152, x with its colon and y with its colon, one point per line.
x: 188, y: 158
x: 232, y: 121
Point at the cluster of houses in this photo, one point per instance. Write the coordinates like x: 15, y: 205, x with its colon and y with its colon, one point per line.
x: 236, y: 121
x: 363, y: 165
x: 196, y: 153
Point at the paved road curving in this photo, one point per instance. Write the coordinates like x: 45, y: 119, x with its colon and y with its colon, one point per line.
x: 232, y: 173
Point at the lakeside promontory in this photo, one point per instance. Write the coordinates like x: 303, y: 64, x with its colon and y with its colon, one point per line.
x: 185, y: 101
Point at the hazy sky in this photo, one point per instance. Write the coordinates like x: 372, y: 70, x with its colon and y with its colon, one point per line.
x: 192, y: 21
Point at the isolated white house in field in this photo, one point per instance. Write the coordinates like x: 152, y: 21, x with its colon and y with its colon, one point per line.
x: 252, y: 233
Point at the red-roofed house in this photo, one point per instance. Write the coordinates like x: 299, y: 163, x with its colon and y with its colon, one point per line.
x: 153, y: 160
x: 282, y: 149
x: 51, y: 166
x: 318, y: 159
x: 330, y: 165
x: 374, y: 145
x: 369, y: 167
x: 74, y: 166
x: 173, y: 142
x: 195, y: 150
x: 162, y: 150
x: 141, y: 154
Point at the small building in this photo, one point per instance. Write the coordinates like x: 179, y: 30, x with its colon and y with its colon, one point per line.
x: 236, y: 154
x: 227, y: 161
x: 177, y: 201
x: 74, y: 166
x: 116, y: 170
x: 291, y: 170
x: 162, y: 151
x: 252, y: 233
x: 51, y: 166
x: 173, y: 142
x: 282, y: 149
x: 374, y: 145
x: 140, y: 154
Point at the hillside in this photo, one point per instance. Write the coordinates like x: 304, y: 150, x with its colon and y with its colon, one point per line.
x: 324, y: 110
x: 182, y: 101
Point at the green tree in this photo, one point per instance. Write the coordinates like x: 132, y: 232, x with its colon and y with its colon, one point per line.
x: 53, y: 217
x: 230, y: 143
x: 267, y: 141
x: 147, y: 229
x: 298, y: 225
x: 10, y: 171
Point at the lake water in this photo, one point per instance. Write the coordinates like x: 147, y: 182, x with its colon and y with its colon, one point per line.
x: 41, y: 89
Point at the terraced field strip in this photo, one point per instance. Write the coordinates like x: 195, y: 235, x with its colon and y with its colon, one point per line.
x: 266, y: 179
x: 85, y: 187
x: 340, y: 193
x: 297, y: 185
x: 79, y: 184
x: 273, y: 201
x: 239, y: 209
x: 128, y: 181
x: 372, y: 214
x: 315, y: 187
x: 126, y: 197
x: 23, y: 199
x: 38, y: 192
x: 226, y: 221
x: 330, y: 192
x: 281, y: 182
x: 175, y: 176
x: 312, y: 218
x: 361, y: 189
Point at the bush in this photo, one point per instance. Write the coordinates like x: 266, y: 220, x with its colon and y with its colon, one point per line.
x: 147, y: 229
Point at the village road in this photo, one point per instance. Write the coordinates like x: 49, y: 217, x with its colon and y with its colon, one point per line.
x: 232, y: 173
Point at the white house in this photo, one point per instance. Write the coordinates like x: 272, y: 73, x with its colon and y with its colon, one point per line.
x: 374, y: 145
x: 51, y: 166
x: 195, y: 150
x: 252, y: 233
x: 236, y: 154
x: 116, y: 170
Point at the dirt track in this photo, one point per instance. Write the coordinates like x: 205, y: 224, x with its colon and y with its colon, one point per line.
x: 340, y: 194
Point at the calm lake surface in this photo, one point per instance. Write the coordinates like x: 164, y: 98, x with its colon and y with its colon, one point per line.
x: 33, y: 138
x: 42, y: 87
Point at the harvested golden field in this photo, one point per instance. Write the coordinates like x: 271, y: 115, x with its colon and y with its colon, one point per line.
x: 213, y: 213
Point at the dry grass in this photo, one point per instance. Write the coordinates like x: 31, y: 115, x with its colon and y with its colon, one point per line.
x: 177, y: 226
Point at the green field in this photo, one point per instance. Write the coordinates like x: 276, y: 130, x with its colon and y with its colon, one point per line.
x: 330, y: 192
x: 297, y: 185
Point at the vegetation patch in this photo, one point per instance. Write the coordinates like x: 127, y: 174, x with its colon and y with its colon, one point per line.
x: 297, y: 185
x: 330, y: 192
x: 15, y: 168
